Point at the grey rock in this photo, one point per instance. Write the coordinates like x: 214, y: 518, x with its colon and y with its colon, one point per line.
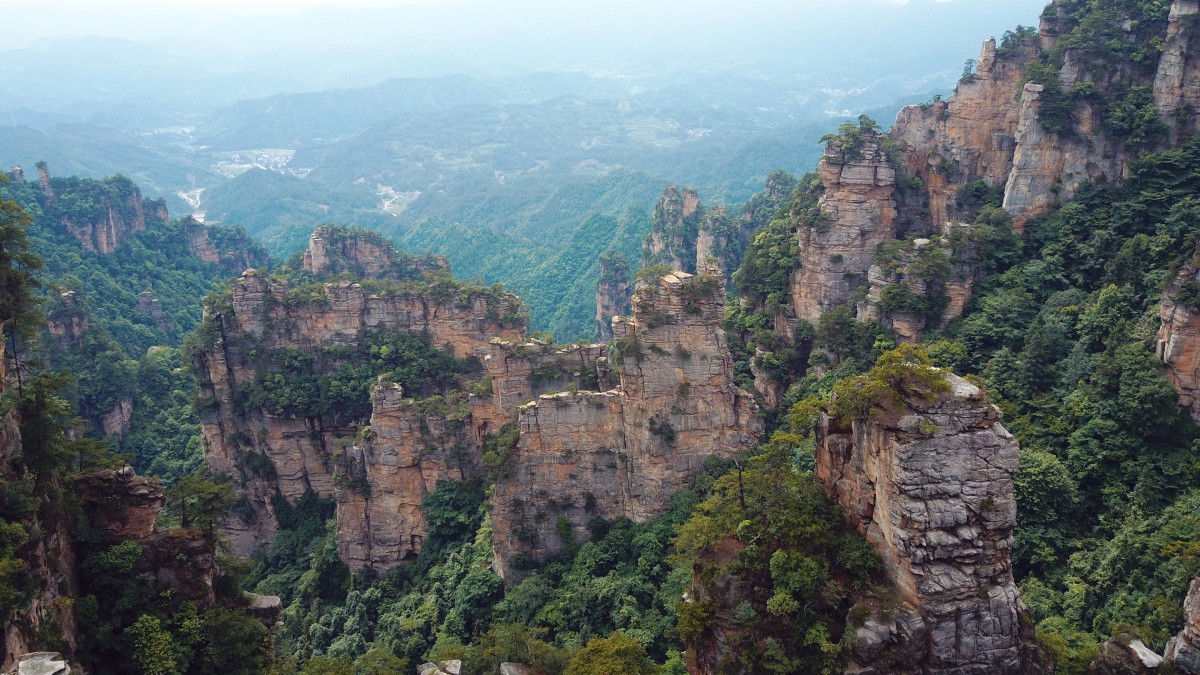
x: 40, y: 663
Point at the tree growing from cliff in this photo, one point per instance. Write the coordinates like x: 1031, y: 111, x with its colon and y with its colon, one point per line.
x: 904, y: 374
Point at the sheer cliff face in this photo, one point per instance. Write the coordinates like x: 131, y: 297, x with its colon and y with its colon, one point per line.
x: 1179, y: 335
x: 382, y: 478
x: 612, y: 293
x: 363, y: 255
x: 931, y: 486
x: 266, y: 453
x: 1183, y: 651
x: 624, y: 452
x: 995, y: 128
x: 49, y: 563
x: 674, y: 228
x: 235, y: 259
x: 860, y: 215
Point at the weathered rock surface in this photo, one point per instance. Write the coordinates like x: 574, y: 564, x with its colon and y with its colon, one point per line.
x: 931, y: 486
x: 235, y: 257
x: 1120, y: 658
x: 382, y: 479
x: 149, y: 303
x: 40, y: 663
x: 1183, y: 650
x: 118, y: 420
x: 1178, y: 337
x: 363, y: 254
x: 673, y: 229
x: 1177, y: 81
x: 50, y: 562
x: 860, y: 216
x: 948, y: 294
x: 122, y: 503
x: 268, y: 453
x: 612, y: 293
x: 67, y: 320
x: 624, y: 452
x: 121, y: 212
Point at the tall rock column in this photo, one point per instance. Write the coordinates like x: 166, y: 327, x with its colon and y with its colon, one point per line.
x: 836, y: 253
x: 1179, y: 335
x: 931, y: 486
x: 612, y: 292
x: 1177, y: 81
x: 1183, y: 651
x: 624, y: 452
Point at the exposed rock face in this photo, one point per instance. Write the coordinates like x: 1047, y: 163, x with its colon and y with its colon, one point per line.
x: 235, y: 258
x: 67, y: 320
x: 16, y: 174
x: 1183, y: 650
x: 1179, y: 335
x: 382, y: 479
x: 291, y: 455
x: 673, y: 229
x: 50, y: 561
x: 860, y: 215
x: 364, y: 255
x: 149, y: 303
x: 624, y: 452
x: 183, y: 561
x: 612, y: 293
x: 1049, y: 167
x: 943, y: 297
x: 931, y: 487
x: 521, y: 372
x: 121, y: 212
x: 40, y: 663
x: 1177, y: 82
x: 969, y: 137
x: 1118, y: 658
x: 122, y: 503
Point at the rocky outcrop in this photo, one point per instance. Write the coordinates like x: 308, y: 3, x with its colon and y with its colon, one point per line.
x: 612, y: 292
x: 184, y: 561
x: 1183, y: 650
x: 49, y: 561
x: 381, y: 480
x: 1177, y: 81
x: 121, y: 503
x: 363, y: 254
x: 149, y: 303
x: 40, y: 663
x: 67, y: 320
x: 1178, y: 340
x: 236, y: 252
x: 923, y: 284
x: 624, y: 452
x: 102, y: 214
x: 270, y: 453
x: 522, y: 371
x: 859, y: 216
x: 1125, y: 657
x: 673, y: 230
x: 931, y: 486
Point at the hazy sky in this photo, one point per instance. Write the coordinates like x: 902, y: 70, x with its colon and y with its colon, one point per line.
x: 28, y: 22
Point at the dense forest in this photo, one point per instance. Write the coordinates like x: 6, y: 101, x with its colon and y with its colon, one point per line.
x: 105, y: 364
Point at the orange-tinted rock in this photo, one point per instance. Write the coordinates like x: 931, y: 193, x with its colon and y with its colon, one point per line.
x: 1179, y: 335
x: 121, y: 503
x: 624, y: 452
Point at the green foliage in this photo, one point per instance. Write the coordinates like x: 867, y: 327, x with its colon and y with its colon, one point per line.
x: 617, y: 653
x: 902, y: 374
x: 334, y: 383
x: 17, y: 261
x: 771, y: 525
x: 772, y: 257
x: 199, y: 502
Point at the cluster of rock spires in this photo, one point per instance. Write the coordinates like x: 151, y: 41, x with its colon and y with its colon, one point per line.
x: 601, y: 434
